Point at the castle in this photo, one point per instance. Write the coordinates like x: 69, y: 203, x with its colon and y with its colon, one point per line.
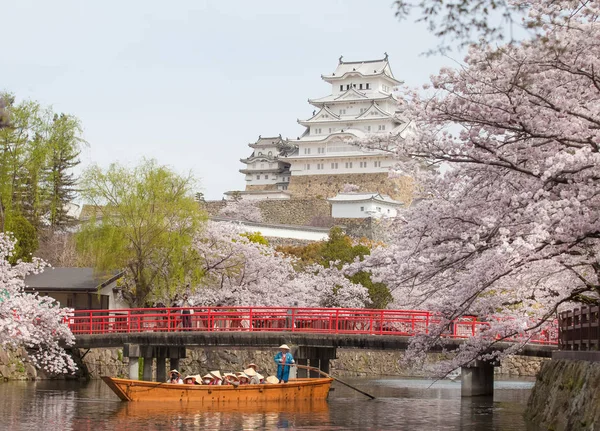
x: 320, y: 161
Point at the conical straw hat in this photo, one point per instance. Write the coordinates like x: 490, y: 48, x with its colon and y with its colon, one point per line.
x: 250, y: 372
x: 273, y: 380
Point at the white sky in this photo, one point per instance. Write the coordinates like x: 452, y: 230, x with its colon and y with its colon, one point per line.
x: 191, y: 83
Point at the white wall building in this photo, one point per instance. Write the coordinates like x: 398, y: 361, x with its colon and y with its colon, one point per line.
x: 265, y: 169
x: 361, y: 103
x: 363, y: 205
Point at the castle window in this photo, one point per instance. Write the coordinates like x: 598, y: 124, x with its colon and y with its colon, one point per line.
x: 341, y: 88
x: 360, y: 87
x: 334, y: 166
x: 368, y: 86
x: 307, y: 166
x: 362, y: 208
x: 258, y: 177
x: 307, y: 151
x: 266, y: 177
x: 382, y: 127
x: 262, y: 165
x: 342, y: 111
x: 368, y: 128
x: 348, y: 165
x: 348, y: 87
x: 377, y: 164
x: 362, y: 110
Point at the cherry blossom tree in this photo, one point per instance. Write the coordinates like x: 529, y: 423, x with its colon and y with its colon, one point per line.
x: 238, y: 271
x: 27, y: 320
x: 509, y: 231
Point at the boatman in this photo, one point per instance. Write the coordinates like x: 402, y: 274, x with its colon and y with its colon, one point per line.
x: 284, y: 361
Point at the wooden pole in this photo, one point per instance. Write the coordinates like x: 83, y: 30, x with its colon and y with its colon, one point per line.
x: 306, y: 367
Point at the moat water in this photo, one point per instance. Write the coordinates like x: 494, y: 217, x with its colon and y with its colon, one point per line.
x: 401, y: 404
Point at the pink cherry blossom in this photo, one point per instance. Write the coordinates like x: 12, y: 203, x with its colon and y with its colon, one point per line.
x: 505, y: 150
x: 241, y: 272
x: 28, y: 320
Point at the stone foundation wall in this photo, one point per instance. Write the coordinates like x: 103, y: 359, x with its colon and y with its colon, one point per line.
x: 256, y: 187
x: 566, y: 396
x: 212, y: 208
x: 351, y: 362
x: 327, y: 186
x: 294, y: 211
x: 15, y: 365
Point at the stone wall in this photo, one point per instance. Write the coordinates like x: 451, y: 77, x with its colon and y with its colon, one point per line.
x: 213, y: 207
x: 351, y: 362
x: 566, y: 396
x: 256, y: 187
x: 327, y: 186
x: 294, y: 211
x: 276, y: 211
x: 15, y: 365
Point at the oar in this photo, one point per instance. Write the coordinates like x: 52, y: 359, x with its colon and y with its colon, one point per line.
x: 306, y: 367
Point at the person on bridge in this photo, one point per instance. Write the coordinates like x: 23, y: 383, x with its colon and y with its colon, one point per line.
x: 284, y: 361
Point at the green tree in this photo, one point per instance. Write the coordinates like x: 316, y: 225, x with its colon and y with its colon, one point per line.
x: 340, y: 250
x: 38, y: 150
x: 26, y: 236
x: 64, y: 147
x: 146, y: 218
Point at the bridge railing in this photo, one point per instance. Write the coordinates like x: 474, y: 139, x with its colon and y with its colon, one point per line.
x: 276, y: 319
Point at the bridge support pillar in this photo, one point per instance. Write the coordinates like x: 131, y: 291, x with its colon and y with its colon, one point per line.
x: 317, y: 357
x: 301, y: 373
x: 161, y: 366
x: 132, y: 351
x: 148, y: 354
x: 477, y: 379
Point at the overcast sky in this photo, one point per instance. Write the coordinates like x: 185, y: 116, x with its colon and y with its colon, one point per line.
x: 191, y: 83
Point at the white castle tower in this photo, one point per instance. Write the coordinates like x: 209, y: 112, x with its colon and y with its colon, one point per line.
x: 323, y: 158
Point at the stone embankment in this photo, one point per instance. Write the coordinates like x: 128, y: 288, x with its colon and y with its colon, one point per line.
x: 15, y: 365
x: 566, y: 396
x: 349, y: 363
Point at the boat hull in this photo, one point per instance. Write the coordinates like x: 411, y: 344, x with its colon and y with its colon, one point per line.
x: 294, y: 390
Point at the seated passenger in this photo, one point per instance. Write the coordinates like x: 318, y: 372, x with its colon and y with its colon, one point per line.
x: 243, y: 378
x: 206, y: 379
x: 189, y: 380
x: 254, y: 379
x: 216, y: 380
x: 231, y: 379
x: 175, y: 377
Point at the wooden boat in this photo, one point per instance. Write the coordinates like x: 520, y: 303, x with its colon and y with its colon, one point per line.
x: 294, y: 390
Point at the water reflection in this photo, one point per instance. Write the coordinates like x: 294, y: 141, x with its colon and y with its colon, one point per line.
x: 401, y: 404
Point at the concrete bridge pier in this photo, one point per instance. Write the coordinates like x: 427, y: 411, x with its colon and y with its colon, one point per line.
x: 161, y: 366
x: 317, y: 357
x: 132, y: 351
x: 148, y: 355
x: 161, y: 353
x: 477, y: 379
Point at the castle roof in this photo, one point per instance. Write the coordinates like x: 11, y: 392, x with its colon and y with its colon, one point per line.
x: 362, y: 68
x: 352, y: 95
x: 364, y: 197
x: 266, y: 141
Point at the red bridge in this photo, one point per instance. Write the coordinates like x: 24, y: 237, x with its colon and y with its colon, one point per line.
x: 160, y: 333
x: 278, y: 319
